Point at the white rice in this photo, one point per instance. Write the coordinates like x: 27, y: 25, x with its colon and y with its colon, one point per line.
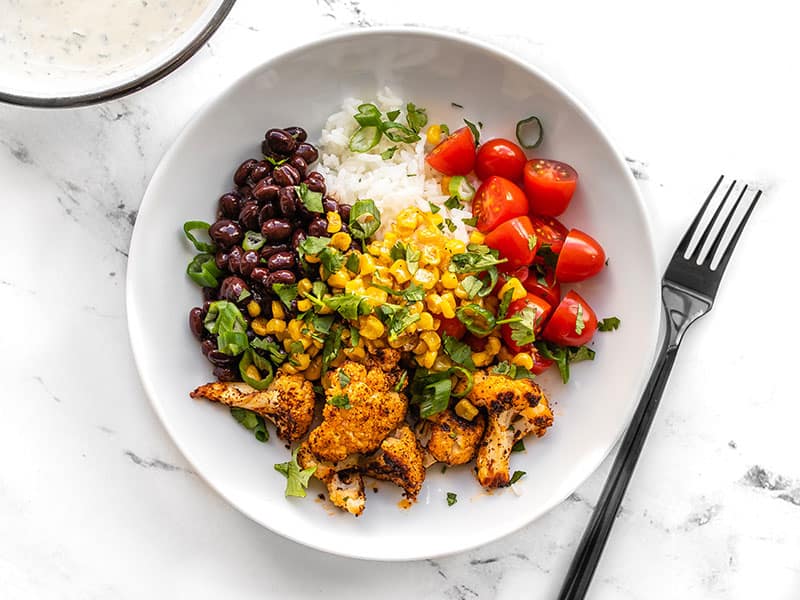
x: 393, y: 184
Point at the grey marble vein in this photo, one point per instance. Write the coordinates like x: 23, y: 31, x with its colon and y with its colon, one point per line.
x: 154, y: 463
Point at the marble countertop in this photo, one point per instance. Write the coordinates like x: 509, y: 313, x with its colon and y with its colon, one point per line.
x: 96, y: 501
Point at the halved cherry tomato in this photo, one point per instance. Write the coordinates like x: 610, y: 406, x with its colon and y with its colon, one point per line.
x: 515, y: 241
x: 540, y: 364
x: 521, y: 273
x: 497, y: 200
x: 500, y: 157
x: 545, y: 285
x: 454, y: 155
x: 573, y: 322
x: 542, y: 310
x: 549, y: 185
x: 581, y: 257
x: 452, y: 327
x: 550, y: 231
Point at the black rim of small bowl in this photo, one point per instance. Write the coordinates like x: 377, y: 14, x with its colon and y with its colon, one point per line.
x: 135, y: 85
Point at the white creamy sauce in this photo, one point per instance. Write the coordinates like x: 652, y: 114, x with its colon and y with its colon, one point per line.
x: 63, y: 39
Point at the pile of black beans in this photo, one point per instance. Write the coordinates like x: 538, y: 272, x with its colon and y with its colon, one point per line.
x: 264, y: 199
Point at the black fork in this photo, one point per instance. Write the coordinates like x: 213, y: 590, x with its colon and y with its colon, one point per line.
x: 688, y: 290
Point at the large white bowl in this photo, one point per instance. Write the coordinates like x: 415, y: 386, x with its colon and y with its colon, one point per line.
x: 303, y: 87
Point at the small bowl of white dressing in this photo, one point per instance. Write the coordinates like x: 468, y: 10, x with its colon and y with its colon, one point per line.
x: 58, y: 53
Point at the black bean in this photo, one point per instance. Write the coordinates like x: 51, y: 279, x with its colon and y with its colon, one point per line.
x: 226, y: 374
x: 286, y: 175
x: 260, y: 276
x: 287, y: 199
x: 271, y: 249
x: 307, y: 152
x: 345, y: 228
x: 220, y: 359
x: 248, y: 216
x: 210, y: 294
x: 196, y: 321
x: 265, y: 191
x: 235, y: 259
x: 280, y: 141
x: 230, y: 204
x: 344, y: 212
x: 221, y: 260
x: 268, y: 211
x: 356, y: 245
x: 318, y: 227
x: 232, y: 288
x: 282, y: 277
x: 329, y: 204
x: 226, y: 233
x: 276, y: 230
x: 207, y: 345
x: 206, y: 306
x: 299, y: 164
x: 297, y: 238
x: 316, y: 185
x: 249, y: 261
x: 243, y: 171
x: 315, y: 175
x: 298, y: 133
x: 260, y: 171
x: 281, y: 261
x: 246, y: 192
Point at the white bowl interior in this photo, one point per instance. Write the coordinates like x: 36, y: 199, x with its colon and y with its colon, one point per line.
x: 302, y: 88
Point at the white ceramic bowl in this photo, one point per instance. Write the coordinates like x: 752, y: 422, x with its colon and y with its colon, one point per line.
x: 61, y: 76
x: 303, y: 87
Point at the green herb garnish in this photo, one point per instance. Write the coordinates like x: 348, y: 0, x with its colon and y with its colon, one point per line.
x: 364, y: 219
x: 416, y: 118
x: 609, y: 324
x: 475, y: 133
x: 388, y: 153
x: 310, y: 199
x: 516, y: 477
x: 251, y: 421
x: 296, y: 479
x: 519, y: 446
x: 226, y: 321
x: 287, y: 292
x: 459, y: 352
x: 451, y: 498
x: 340, y: 401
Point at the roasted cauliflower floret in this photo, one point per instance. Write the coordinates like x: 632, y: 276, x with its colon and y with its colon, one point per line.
x: 288, y: 402
x: 361, y: 409
x: 514, y: 409
x: 453, y: 440
x: 343, y: 480
x: 398, y: 460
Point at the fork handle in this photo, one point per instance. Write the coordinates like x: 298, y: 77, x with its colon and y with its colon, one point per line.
x: 594, y: 538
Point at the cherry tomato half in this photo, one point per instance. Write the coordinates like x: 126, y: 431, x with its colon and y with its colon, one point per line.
x: 515, y: 241
x: 452, y: 327
x: 500, y: 157
x: 521, y: 273
x: 540, y: 364
x: 497, y: 200
x: 581, y: 257
x: 550, y: 231
x: 454, y: 155
x: 573, y: 322
x: 545, y: 285
x: 549, y: 185
x: 542, y: 310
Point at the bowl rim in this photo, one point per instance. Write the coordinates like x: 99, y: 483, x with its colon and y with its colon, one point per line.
x: 138, y: 345
x: 134, y: 85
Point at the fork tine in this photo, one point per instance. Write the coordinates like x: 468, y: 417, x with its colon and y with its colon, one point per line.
x: 687, y: 237
x: 726, y: 256
x: 721, y: 233
x: 697, y: 252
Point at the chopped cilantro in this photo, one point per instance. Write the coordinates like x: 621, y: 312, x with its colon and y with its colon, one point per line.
x: 296, y: 479
x: 519, y: 446
x: 458, y: 351
x: 286, y: 292
x: 516, y: 477
x: 609, y: 324
x: 344, y: 379
x: 388, y: 153
x: 340, y: 401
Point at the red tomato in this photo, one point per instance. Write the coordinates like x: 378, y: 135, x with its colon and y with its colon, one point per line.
x: 540, y: 307
x: 455, y: 155
x: 581, y: 257
x: 545, y: 286
x: 550, y: 231
x: 452, y: 327
x: 475, y: 343
x: 540, y: 364
x: 549, y: 185
x: 498, y: 200
x: 573, y: 322
x: 500, y: 157
x: 515, y: 241
x: 521, y: 273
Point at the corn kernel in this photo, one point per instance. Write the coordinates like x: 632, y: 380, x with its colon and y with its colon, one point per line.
x: 354, y: 286
x: 397, y: 342
x: 461, y: 293
x: 273, y: 326
x: 454, y: 246
x: 425, y: 278
x: 302, y: 361
x: 277, y: 310
x: 252, y: 372
x: 376, y: 296
x: 399, y: 271
x: 304, y: 286
x: 341, y: 240
x: 466, y: 410
x: 427, y: 359
x: 339, y: 279
x: 430, y: 255
x: 374, y: 249
x: 446, y: 185
x: 310, y: 258
x: 304, y: 305
x: 514, y: 284
x: 523, y: 359
x: 259, y: 326
x: 287, y: 367
x: 294, y: 329
x: 407, y: 219
x: 434, y: 135
x: 449, y: 280
x: 253, y: 308
x: 389, y: 238
x: 425, y: 322
x: 492, y: 345
x: 431, y: 339
x: 371, y: 328
x: 481, y: 359
x: 476, y: 237
x: 314, y: 369
x: 421, y: 348
x: 357, y: 353
x: 383, y: 276
x: 366, y: 265
x: 429, y: 235
x: 434, y: 220
x: 315, y: 347
x: 448, y: 305
x: 334, y: 222
x: 434, y: 303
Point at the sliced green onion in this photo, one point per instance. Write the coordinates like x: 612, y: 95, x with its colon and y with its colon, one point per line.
x: 475, y: 133
x: 368, y: 116
x: 461, y: 188
x: 456, y: 370
x: 364, y: 219
x: 263, y: 365
x: 530, y: 132
x: 436, y: 397
x: 203, y: 270
x: 365, y: 138
x: 201, y: 246
x: 467, y: 315
x: 253, y: 240
x: 399, y: 133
